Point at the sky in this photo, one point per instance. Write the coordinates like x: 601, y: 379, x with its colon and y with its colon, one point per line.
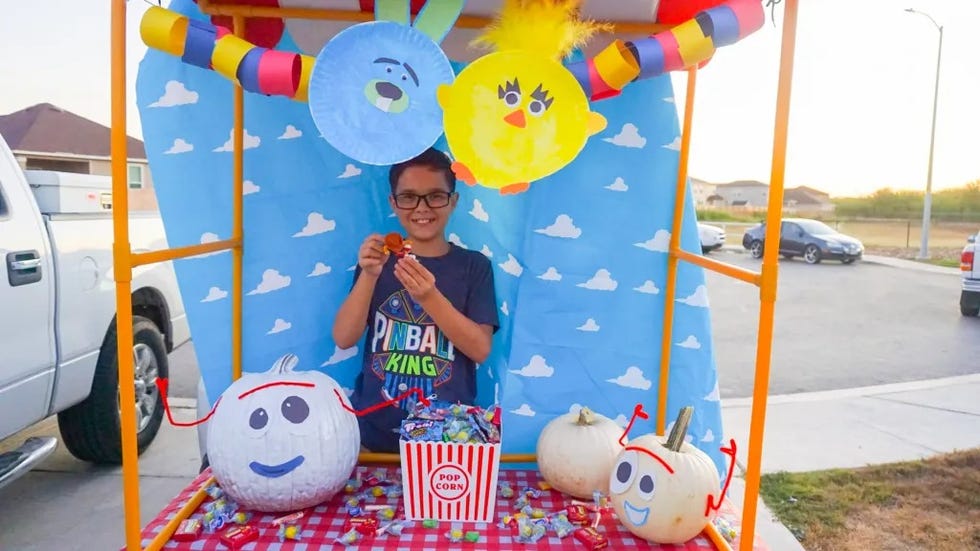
x: 860, y: 115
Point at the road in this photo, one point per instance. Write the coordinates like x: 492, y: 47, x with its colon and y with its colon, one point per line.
x: 836, y: 327
x: 842, y: 326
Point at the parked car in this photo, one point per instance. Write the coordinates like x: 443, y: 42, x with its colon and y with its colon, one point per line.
x: 712, y: 237
x: 970, y: 267
x: 811, y: 239
x: 57, y: 317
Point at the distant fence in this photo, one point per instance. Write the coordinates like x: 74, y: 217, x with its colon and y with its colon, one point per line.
x: 878, y: 232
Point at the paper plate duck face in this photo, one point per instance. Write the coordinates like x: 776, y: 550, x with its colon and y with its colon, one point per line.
x: 373, y: 87
x: 282, y: 440
x: 517, y: 115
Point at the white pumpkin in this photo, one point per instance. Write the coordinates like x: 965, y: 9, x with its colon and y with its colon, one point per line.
x: 662, y: 495
x: 281, y: 440
x: 576, y: 451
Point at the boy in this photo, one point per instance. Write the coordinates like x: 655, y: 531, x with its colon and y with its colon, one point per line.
x: 430, y: 319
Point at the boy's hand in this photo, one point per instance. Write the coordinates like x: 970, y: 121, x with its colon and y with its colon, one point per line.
x: 371, y: 257
x: 419, y: 282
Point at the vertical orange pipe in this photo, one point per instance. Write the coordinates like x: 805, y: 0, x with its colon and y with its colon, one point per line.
x: 770, y: 267
x: 675, y: 244
x: 123, y: 274
x: 237, y: 231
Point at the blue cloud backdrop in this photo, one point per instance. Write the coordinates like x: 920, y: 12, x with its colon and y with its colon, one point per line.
x: 579, y: 260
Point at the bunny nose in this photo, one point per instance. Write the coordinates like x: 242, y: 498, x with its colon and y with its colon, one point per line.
x: 388, y: 90
x: 517, y: 118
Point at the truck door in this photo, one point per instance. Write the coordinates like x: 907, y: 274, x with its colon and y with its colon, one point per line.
x: 27, y: 360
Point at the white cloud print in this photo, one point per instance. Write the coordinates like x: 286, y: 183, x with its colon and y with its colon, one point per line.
x: 486, y: 251
x: 660, y: 242
x: 248, y: 141
x: 698, y: 298
x: 512, y: 266
x: 589, y: 325
x: 272, y: 280
x: 690, y: 342
x: 621, y: 420
x: 249, y: 187
x: 601, y: 281
x: 290, y: 133
x: 503, y: 308
x: 618, y: 185
x: 350, y: 171
x: 478, y: 212
x: 279, y: 326
x: 562, y: 227
x: 316, y: 224
x: 714, y: 395
x: 708, y: 436
x: 209, y: 237
x: 629, y: 136
x: 648, y: 287
x: 215, y: 293
x: 339, y: 355
x: 537, y: 367
x: 524, y: 410
x: 174, y: 94
x: 551, y: 274
x: 179, y: 146
x: 455, y: 240
x: 674, y: 145
x: 319, y: 270
x: 633, y: 378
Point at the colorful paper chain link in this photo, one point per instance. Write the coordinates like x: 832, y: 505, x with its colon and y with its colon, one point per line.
x: 199, y: 43
x: 682, y: 46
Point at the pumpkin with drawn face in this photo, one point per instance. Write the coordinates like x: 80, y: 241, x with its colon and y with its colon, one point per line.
x: 282, y: 440
x: 665, y: 495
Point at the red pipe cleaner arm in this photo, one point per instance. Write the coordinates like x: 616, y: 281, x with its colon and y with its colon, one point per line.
x: 637, y: 412
x: 730, y: 451
x: 163, y: 384
x: 417, y: 391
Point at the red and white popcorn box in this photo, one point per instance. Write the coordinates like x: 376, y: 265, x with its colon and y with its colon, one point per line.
x: 450, y: 482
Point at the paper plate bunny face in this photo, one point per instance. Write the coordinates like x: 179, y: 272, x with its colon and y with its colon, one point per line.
x: 373, y: 88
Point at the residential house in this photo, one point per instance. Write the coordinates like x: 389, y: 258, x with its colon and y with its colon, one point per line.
x: 746, y: 194
x: 701, y: 191
x: 806, y: 200
x: 46, y: 137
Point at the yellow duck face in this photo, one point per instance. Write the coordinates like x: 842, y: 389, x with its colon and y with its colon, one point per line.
x: 514, y: 117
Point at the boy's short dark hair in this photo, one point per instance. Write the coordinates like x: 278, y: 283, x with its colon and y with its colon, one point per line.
x: 431, y: 158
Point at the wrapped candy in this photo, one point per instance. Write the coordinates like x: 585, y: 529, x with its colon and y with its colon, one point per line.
x: 349, y: 537
x: 188, y: 530
x: 592, y: 538
x: 562, y: 526
x: 529, y: 532
x: 455, y: 535
x: 506, y: 491
x: 289, y: 532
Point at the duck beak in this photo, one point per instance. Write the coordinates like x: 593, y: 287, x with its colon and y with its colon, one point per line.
x: 516, y: 118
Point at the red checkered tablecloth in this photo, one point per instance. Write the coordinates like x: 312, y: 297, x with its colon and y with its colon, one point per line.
x: 324, y: 523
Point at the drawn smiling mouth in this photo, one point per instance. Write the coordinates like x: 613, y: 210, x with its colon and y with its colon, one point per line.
x: 636, y: 516
x: 275, y: 471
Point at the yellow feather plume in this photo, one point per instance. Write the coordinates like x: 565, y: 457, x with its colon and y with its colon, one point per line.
x: 549, y: 27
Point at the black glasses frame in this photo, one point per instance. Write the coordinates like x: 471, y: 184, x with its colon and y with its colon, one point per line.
x: 429, y: 198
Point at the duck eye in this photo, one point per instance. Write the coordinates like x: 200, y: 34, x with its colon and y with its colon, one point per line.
x: 258, y: 419
x: 512, y: 99
x: 536, y: 108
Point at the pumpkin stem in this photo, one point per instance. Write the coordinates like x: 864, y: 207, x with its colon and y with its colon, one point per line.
x: 679, y: 431
x: 585, y: 417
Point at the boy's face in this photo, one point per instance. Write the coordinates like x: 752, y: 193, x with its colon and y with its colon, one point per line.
x: 422, y: 185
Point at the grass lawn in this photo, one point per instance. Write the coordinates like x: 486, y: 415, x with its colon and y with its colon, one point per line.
x: 931, y: 504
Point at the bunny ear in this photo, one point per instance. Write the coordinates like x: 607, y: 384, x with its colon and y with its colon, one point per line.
x: 392, y: 10
x: 437, y: 18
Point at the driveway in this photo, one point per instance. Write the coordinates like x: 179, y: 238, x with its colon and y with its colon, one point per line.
x: 842, y: 326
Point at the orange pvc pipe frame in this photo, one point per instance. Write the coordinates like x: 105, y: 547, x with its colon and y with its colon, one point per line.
x: 124, y: 260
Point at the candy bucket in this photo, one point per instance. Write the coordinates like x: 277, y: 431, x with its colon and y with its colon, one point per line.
x: 450, y: 482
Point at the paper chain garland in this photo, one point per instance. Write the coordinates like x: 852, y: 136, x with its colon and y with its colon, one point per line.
x: 685, y: 45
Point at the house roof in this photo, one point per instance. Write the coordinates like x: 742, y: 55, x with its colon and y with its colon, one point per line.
x: 45, y: 128
x: 805, y: 196
x: 743, y: 183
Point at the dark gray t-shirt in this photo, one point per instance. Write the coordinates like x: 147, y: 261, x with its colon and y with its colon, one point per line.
x: 405, y: 349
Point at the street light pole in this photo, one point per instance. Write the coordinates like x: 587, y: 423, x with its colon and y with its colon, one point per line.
x: 927, y: 203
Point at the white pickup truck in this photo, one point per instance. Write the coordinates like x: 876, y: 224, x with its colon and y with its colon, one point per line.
x: 970, y: 268
x: 57, y: 316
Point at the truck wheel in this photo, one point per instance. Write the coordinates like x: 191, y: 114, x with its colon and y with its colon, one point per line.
x: 91, y: 428
x: 970, y: 303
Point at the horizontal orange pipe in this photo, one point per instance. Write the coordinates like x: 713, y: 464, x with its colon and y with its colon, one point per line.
x: 464, y: 21
x: 721, y: 544
x: 371, y: 457
x: 152, y: 257
x: 723, y: 268
x: 185, y: 512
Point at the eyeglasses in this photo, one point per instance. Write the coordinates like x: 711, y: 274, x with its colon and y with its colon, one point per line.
x: 434, y: 200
